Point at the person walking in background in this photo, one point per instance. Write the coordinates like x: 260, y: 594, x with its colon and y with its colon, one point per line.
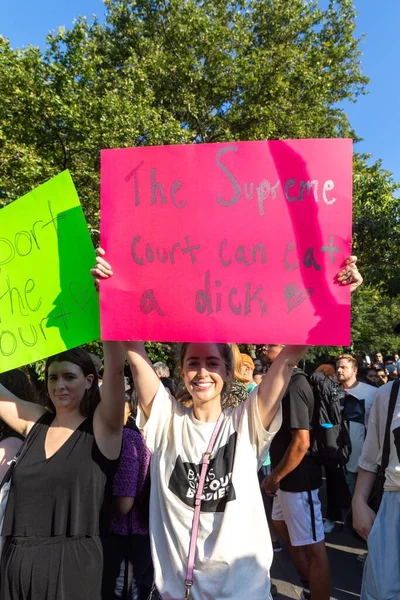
x: 294, y: 482
x: 337, y: 491
x: 357, y: 405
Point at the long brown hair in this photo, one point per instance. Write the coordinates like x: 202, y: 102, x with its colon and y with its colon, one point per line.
x: 79, y: 357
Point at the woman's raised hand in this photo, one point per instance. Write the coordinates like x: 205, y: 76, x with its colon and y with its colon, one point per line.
x: 350, y: 275
x: 102, y: 270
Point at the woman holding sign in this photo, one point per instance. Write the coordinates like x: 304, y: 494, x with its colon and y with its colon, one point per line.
x: 206, y: 457
x: 58, y: 491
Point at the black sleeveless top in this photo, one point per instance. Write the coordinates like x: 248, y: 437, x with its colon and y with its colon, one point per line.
x: 67, y: 494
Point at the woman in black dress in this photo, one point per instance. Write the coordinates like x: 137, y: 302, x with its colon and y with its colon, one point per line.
x: 59, y: 487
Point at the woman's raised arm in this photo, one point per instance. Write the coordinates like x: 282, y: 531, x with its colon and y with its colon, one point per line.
x: 144, y: 377
x: 275, y: 382
x: 19, y: 414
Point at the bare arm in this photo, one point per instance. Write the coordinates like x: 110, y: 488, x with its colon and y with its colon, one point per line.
x: 363, y: 515
x: 18, y: 414
x: 293, y: 456
x: 108, y: 418
x: 275, y: 382
x: 123, y: 504
x: 144, y: 376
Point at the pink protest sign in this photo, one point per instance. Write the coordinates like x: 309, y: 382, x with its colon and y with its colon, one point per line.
x: 236, y: 242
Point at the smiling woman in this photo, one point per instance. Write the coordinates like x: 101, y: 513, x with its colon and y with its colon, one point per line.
x: 209, y: 538
x: 60, y: 485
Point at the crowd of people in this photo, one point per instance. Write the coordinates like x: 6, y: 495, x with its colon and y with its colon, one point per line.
x: 147, y: 487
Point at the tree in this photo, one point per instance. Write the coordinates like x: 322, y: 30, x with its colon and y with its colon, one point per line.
x: 376, y: 225
x: 173, y: 71
x: 187, y: 71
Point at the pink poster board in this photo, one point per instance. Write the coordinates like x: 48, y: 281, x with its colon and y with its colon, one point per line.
x: 228, y: 242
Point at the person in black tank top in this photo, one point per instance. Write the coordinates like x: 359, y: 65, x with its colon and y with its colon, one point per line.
x: 61, y: 487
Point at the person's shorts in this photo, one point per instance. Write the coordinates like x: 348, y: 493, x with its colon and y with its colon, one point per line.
x: 302, y: 514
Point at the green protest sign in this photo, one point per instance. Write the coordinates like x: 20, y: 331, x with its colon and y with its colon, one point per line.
x: 47, y: 299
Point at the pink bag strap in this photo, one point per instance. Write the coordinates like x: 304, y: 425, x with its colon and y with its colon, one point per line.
x: 197, y: 505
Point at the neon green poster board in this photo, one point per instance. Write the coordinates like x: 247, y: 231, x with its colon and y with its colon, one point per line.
x: 48, y: 302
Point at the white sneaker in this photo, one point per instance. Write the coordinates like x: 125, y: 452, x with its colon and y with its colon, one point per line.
x: 329, y: 526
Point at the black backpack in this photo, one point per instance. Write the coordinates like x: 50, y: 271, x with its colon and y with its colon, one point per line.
x: 331, y: 444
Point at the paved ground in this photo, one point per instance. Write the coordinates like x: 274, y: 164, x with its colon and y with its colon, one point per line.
x: 343, y: 550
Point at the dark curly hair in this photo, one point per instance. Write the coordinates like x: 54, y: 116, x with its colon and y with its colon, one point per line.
x: 82, y: 359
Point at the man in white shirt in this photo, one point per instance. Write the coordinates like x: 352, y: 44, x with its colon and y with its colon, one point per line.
x: 356, y: 410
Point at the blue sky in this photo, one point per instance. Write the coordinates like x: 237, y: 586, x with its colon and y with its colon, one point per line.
x: 375, y: 117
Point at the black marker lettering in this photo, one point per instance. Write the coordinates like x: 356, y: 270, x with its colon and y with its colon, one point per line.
x: 24, y: 341
x: 224, y: 263
x: 10, y: 249
x: 149, y: 253
x: 247, y: 193
x: 241, y: 256
x: 203, y: 297
x: 176, y: 186
x: 53, y: 220
x: 235, y: 309
x: 41, y: 327
x: 63, y: 315
x: 289, y: 184
x: 148, y: 303
x: 13, y: 341
x: 33, y: 233
x: 261, y: 249
x: 289, y: 266
x: 331, y: 249
x: 308, y: 185
x: 18, y: 236
x: 134, y: 174
x: 218, y: 295
x: 156, y: 187
x: 250, y: 299
x: 136, y: 240
x: 309, y: 260
x: 31, y: 283
x: 172, y: 252
x: 164, y: 256
x: 190, y: 249
x: 234, y: 182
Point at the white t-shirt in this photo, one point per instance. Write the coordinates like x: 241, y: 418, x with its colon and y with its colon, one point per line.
x: 234, y: 550
x: 371, y: 455
x: 365, y: 393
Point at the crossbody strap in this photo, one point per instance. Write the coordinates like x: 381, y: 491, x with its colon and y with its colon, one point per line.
x: 23, y: 449
x: 197, y: 505
x: 386, y: 443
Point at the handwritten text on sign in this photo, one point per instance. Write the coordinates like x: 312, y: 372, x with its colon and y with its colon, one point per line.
x: 227, y: 242
x: 47, y: 300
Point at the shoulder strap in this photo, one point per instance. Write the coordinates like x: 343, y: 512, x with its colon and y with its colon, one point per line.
x: 386, y: 443
x: 24, y: 447
x: 197, y: 505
